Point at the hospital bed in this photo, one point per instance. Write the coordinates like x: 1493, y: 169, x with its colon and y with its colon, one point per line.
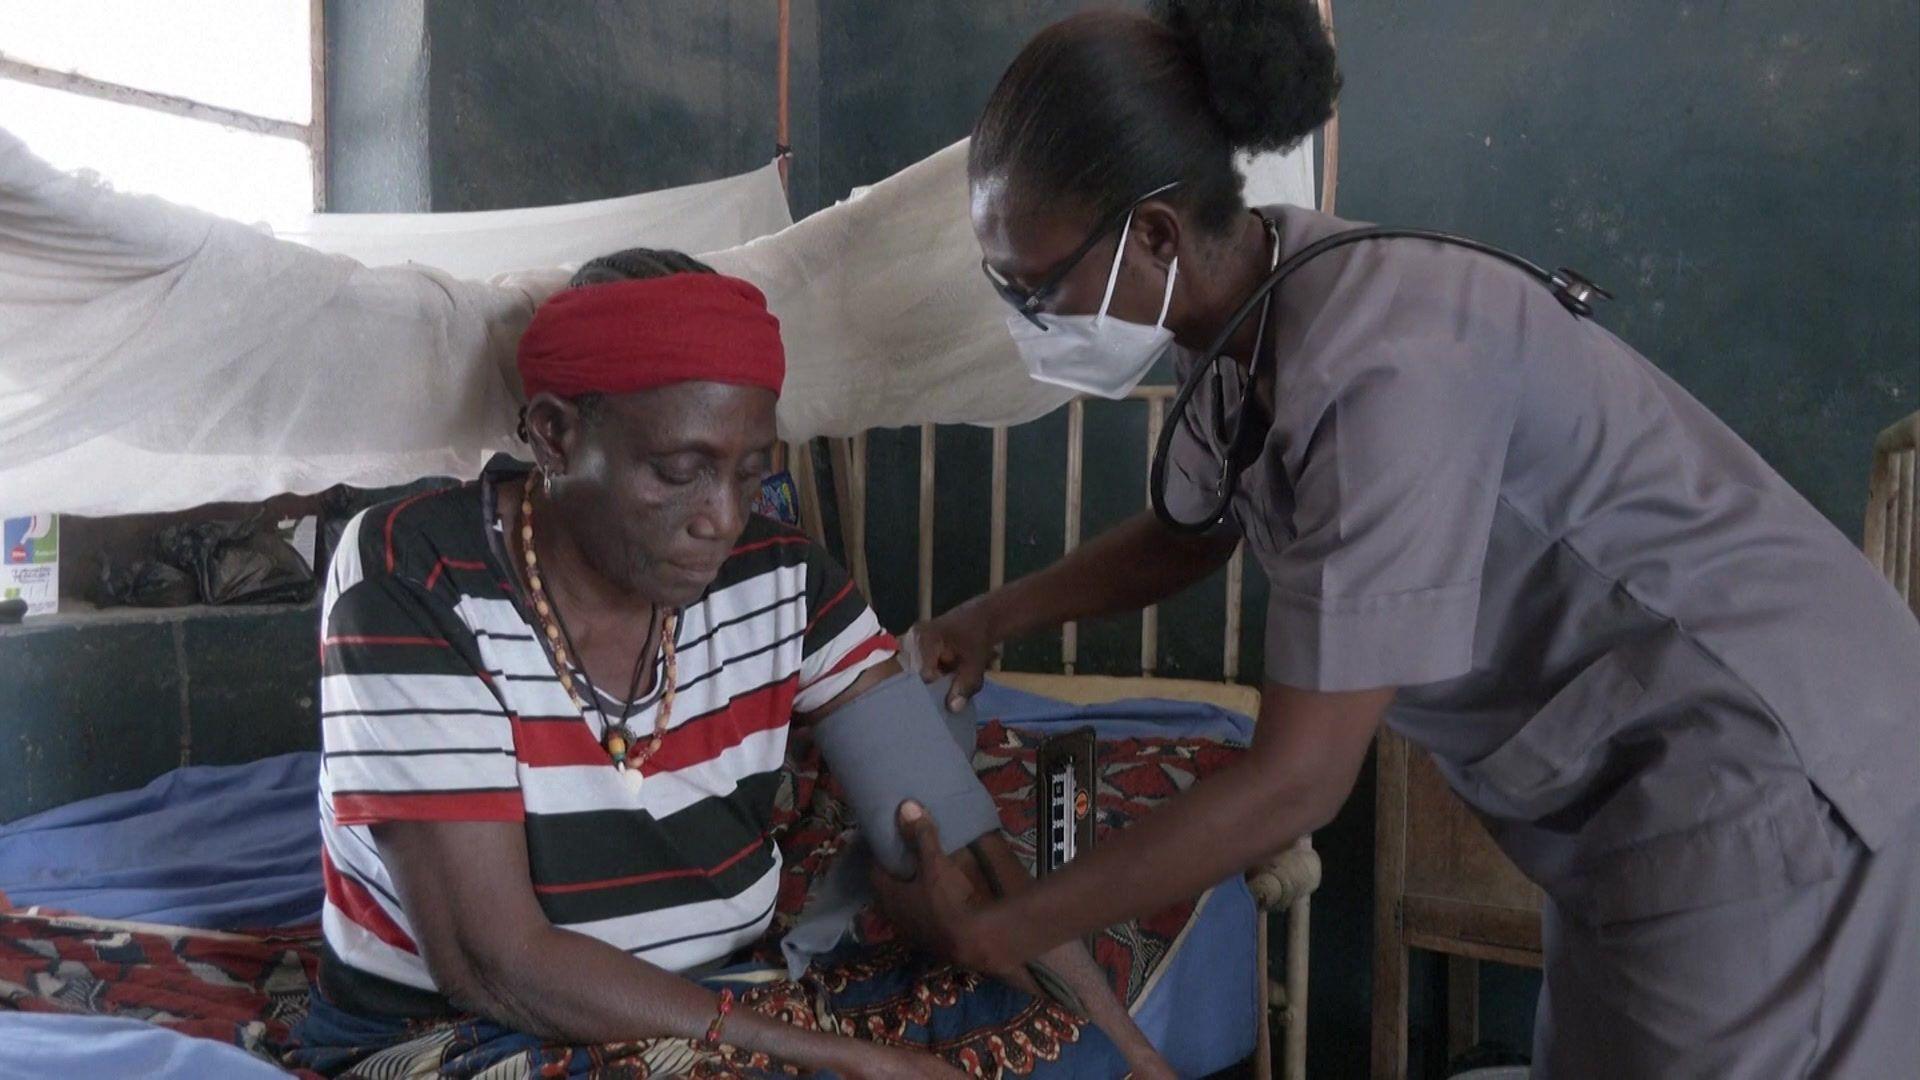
x: 1284, y: 883
x: 204, y: 850
x: 172, y: 884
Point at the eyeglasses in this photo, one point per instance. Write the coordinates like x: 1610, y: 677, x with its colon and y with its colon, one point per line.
x: 1028, y: 302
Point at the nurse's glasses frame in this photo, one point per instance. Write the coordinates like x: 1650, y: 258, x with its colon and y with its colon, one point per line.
x: 1028, y: 302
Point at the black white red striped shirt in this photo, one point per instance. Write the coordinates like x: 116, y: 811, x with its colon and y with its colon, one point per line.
x: 439, y: 702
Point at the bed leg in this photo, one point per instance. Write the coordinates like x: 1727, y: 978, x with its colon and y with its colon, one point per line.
x: 1298, y: 924
x: 1263, y: 1043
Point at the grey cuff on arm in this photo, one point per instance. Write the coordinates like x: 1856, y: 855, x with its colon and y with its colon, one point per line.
x: 892, y: 744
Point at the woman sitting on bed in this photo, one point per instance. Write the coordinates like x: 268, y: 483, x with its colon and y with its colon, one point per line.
x: 556, y: 704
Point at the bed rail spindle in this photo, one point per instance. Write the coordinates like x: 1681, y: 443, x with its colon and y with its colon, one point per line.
x: 1903, y: 561
x: 1150, y: 618
x: 1230, y: 648
x: 806, y: 487
x: 1076, y: 429
x: 997, y: 523
x: 850, y: 490
x: 926, y: 521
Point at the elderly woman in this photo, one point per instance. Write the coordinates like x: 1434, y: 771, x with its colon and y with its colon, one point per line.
x: 556, y: 705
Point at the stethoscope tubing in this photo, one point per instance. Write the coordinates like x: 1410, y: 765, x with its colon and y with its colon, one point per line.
x: 1574, y: 291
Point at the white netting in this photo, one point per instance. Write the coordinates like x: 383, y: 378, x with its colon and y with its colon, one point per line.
x: 154, y: 357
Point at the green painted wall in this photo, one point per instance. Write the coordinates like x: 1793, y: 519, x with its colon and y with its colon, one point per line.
x: 1744, y: 176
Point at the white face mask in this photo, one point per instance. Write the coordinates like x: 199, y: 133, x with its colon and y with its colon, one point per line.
x: 1095, y: 354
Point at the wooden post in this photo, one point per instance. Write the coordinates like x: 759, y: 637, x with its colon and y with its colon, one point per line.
x: 1076, y: 429
x: 1329, y: 135
x: 850, y: 491
x: 806, y: 485
x: 926, y: 521
x: 317, y: 118
x: 1463, y: 1004
x: 1230, y: 648
x: 1299, y: 927
x: 1389, y: 884
x: 1150, y: 618
x: 782, y: 76
x: 997, y: 521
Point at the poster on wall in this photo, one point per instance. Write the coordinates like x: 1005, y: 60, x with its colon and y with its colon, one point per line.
x: 30, y: 562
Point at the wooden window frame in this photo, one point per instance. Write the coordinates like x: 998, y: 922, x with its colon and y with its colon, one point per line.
x: 313, y: 133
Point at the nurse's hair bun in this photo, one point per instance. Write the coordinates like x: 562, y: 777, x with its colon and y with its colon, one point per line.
x: 1269, y: 65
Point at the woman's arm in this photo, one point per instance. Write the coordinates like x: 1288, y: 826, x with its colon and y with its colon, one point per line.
x: 990, y: 868
x: 465, y: 887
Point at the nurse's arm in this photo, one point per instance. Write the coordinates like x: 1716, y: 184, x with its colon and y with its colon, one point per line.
x: 1086, y: 584
x: 1307, y: 751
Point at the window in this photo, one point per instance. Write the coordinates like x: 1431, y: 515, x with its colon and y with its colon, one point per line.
x: 212, y: 103
x: 217, y: 104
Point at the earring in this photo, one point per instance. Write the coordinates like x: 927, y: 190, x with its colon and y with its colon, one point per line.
x: 546, y: 483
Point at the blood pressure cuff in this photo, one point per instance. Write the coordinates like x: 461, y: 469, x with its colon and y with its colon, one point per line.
x: 892, y: 744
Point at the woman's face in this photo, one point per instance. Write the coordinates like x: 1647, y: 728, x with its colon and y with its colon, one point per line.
x: 655, y: 488
x: 1029, y: 240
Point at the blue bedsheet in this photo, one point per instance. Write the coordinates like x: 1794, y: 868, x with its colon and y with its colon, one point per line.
x: 217, y: 847
x: 237, y: 847
x: 50, y: 1045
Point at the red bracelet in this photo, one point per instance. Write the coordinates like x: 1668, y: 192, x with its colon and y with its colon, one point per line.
x: 711, y: 1041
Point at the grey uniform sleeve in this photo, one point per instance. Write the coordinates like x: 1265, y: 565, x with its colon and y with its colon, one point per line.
x: 1394, y: 498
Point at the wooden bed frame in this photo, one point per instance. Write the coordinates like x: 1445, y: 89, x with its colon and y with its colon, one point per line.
x: 1285, y: 882
x: 1892, y: 533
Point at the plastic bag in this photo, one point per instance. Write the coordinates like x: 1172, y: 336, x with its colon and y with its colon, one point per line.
x: 238, y: 562
x: 147, y: 583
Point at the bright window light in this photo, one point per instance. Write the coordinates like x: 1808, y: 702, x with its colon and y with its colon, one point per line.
x: 251, y: 55
x: 234, y: 174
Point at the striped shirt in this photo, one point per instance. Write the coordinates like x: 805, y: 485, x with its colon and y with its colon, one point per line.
x: 439, y: 702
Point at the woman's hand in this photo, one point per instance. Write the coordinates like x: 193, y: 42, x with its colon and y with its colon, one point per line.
x: 962, y: 643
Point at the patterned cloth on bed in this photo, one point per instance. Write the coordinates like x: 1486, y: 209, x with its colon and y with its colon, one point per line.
x: 251, y: 990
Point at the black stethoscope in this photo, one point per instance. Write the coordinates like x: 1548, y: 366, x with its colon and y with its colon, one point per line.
x: 1575, y: 292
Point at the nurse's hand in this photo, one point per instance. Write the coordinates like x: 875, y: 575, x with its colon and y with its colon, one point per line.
x: 961, y: 643
x: 936, y: 908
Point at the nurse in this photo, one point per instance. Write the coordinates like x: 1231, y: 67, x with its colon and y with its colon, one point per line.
x: 1679, y: 698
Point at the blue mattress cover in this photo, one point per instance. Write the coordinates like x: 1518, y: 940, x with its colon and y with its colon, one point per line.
x: 47, y: 1045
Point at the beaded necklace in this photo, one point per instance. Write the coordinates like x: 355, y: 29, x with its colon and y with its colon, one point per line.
x: 616, y: 738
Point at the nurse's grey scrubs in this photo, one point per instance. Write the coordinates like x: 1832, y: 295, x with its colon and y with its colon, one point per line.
x: 1681, y: 700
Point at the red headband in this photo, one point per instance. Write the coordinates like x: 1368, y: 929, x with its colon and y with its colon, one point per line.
x: 635, y: 335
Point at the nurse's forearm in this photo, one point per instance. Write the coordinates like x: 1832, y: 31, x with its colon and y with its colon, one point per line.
x: 1134, y: 564
x: 1219, y: 828
x: 1306, y: 754
x: 1071, y: 962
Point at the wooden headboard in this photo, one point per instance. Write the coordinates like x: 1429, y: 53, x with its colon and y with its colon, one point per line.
x: 849, y: 470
